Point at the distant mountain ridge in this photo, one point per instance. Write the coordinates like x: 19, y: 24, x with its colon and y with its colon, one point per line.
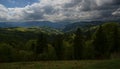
x: 32, y: 24
x: 84, y: 25
x: 63, y: 26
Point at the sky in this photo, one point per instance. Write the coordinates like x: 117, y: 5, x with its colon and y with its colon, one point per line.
x: 59, y: 10
x: 17, y: 3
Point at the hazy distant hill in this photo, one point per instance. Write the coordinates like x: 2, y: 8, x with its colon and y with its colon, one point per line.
x: 84, y: 25
x: 32, y: 24
x: 32, y: 29
x: 63, y: 26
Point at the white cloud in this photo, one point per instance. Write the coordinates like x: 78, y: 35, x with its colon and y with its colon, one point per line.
x: 3, y: 13
x: 60, y: 10
x: 117, y: 12
x: 100, y: 3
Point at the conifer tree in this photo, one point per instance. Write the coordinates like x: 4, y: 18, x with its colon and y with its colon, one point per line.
x: 100, y: 43
x: 41, y: 43
x: 58, y: 45
x: 78, y: 44
x: 116, y: 40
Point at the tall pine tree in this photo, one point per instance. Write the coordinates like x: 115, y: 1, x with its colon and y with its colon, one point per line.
x: 58, y: 45
x: 116, y: 40
x: 78, y: 44
x: 41, y: 44
x: 100, y: 43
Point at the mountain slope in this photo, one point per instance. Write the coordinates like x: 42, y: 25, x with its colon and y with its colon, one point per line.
x: 84, y: 25
x: 32, y: 24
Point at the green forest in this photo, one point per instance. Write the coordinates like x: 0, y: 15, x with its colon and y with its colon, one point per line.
x: 36, y: 44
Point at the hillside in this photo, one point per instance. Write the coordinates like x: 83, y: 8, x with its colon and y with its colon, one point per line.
x: 62, y: 26
x: 45, y: 43
x: 16, y: 34
x: 47, y: 30
x: 33, y: 24
x: 83, y: 64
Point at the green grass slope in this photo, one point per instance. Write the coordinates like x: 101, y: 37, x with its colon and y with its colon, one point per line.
x: 113, y: 64
x: 84, y: 64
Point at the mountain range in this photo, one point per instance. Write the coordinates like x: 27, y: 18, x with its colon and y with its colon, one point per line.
x: 64, y: 26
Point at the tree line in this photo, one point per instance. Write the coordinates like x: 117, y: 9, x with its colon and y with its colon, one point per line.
x: 100, y: 42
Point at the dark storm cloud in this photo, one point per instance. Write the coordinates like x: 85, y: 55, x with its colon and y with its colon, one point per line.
x: 72, y: 3
x: 116, y: 2
x: 63, y: 10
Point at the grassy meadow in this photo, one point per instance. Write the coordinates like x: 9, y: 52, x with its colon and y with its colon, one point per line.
x: 82, y: 64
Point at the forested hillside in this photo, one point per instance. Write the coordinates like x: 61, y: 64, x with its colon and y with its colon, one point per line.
x: 35, y: 43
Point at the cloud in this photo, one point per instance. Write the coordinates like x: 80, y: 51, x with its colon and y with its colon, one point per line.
x: 63, y: 10
x: 3, y: 12
x: 117, y: 12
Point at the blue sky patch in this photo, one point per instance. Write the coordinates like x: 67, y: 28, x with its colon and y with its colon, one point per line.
x: 17, y: 3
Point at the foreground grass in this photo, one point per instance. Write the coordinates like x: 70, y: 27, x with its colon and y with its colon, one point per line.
x: 84, y: 64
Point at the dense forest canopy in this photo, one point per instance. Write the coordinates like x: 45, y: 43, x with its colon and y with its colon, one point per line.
x: 33, y: 44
